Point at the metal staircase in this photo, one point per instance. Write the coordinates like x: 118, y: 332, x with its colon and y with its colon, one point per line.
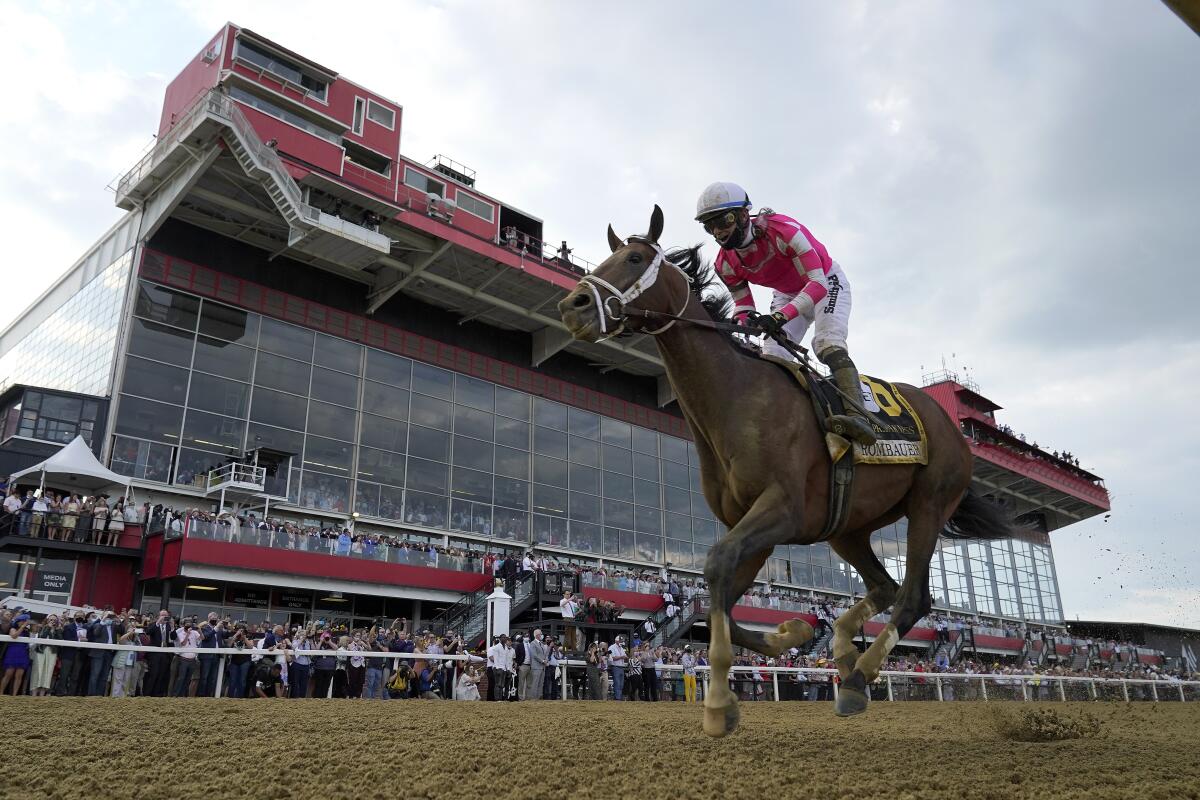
x: 668, y: 630
x: 216, y: 115
x: 819, y: 646
x: 468, y: 617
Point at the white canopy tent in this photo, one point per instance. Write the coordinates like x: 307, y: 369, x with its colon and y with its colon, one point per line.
x: 75, y: 467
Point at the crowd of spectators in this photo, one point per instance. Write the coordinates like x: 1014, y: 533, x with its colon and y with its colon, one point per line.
x: 68, y: 517
x: 1016, y: 442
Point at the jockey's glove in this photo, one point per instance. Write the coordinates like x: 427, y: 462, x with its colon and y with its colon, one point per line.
x: 770, y: 324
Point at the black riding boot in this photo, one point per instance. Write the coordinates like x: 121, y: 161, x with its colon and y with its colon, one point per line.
x: 854, y: 424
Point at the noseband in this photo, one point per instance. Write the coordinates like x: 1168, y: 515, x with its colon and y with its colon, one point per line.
x: 614, y: 309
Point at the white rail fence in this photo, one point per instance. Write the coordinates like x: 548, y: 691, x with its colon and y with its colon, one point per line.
x: 764, y: 683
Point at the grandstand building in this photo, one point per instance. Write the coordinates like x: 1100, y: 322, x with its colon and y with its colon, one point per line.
x: 296, y: 319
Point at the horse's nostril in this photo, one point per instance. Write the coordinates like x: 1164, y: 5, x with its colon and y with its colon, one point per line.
x: 581, y: 301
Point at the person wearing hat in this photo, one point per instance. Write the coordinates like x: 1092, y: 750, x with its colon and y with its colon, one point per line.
x: 688, y: 662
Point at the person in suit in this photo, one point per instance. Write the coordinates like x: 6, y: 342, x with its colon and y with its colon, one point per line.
x: 521, y: 648
x: 104, y: 631
x: 538, y: 657
x: 70, y: 659
x: 162, y: 636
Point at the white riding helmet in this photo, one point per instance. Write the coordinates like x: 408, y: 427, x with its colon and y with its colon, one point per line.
x: 721, y: 196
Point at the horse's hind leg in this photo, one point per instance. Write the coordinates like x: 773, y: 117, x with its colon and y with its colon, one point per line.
x: 769, y: 522
x: 855, y: 547
x: 925, y: 521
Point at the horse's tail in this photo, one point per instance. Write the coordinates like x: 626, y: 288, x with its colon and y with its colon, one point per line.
x: 976, y: 518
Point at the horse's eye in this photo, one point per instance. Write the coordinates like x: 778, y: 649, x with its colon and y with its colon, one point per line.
x: 635, y: 258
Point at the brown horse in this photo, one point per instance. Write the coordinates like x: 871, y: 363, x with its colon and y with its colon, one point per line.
x: 765, y: 467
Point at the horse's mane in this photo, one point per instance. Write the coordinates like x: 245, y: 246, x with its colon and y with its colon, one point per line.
x: 705, y: 284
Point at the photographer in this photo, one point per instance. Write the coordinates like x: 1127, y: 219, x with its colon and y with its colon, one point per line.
x: 44, y: 656
x: 187, y: 638
x: 324, y: 665
x: 212, y: 636
x: 374, y: 680
x: 301, y: 666
x: 16, y: 657
x: 239, y: 665
x: 595, y: 663
x: 268, y: 680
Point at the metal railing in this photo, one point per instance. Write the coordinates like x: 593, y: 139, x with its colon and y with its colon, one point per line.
x: 236, y: 473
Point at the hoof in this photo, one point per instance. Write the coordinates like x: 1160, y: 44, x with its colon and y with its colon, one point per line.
x: 850, y: 702
x: 721, y: 720
x: 792, y: 633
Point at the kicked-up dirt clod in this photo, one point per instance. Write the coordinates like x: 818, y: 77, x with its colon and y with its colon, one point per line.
x: 100, y: 748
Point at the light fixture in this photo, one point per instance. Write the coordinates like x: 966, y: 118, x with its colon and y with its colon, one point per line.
x: 203, y: 588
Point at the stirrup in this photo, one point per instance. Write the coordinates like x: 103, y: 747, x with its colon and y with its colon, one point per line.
x: 853, y: 427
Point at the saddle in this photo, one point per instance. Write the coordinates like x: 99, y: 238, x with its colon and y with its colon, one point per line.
x: 900, y: 432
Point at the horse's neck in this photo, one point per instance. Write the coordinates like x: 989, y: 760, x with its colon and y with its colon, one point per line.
x: 706, y: 374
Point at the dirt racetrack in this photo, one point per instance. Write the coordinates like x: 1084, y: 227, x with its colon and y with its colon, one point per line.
x: 156, y: 748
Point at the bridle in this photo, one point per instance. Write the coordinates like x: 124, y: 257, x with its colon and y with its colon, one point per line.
x: 613, y: 319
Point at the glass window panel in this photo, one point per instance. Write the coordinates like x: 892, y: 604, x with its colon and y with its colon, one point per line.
x: 327, y: 455
x: 512, y: 493
x: 550, y: 470
x: 381, y: 466
x: 612, y: 542
x: 647, y: 520
x: 618, y: 460
x: 472, y: 422
x: 161, y: 343
x: 279, y: 439
x: 146, y: 419
x: 585, y: 536
x: 511, y: 525
x: 387, y: 368
x: 675, y: 474
x: 696, y: 484
x: 338, y: 354
x: 512, y: 463
x: 679, y: 526
x: 386, y: 434
x: 194, y: 465
x: 618, y: 514
x: 678, y: 553
x: 615, y: 432
x: 645, y: 466
x: 334, y: 387
x: 583, y: 451
x: 143, y: 460
x: 584, y: 479
x: 428, y: 443
x: 645, y: 441
x: 549, y: 500
x: 585, y: 507
x: 475, y: 393
x: 471, y: 484
x: 325, y: 492
x: 379, y: 398
x: 618, y: 486
x: 700, y: 507
x: 332, y: 421
x: 512, y: 433
x: 432, y: 381
x: 213, y: 432
x: 472, y: 453
x: 224, y: 359
x: 549, y: 442
x: 168, y: 306
x: 391, y: 502
x: 430, y: 412
x: 672, y: 448
x: 366, y: 499
x: 285, y: 340
x: 649, y: 547
x: 512, y: 403
x: 583, y: 423
x: 151, y: 379
x: 210, y: 393
x: 283, y: 374
x: 550, y: 531
x: 677, y: 500
x: 228, y: 323
x: 428, y: 476
x: 646, y: 493
x: 549, y: 414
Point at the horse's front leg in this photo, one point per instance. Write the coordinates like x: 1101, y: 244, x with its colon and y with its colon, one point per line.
x: 772, y: 520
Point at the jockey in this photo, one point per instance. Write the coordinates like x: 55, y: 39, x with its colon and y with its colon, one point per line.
x: 775, y: 251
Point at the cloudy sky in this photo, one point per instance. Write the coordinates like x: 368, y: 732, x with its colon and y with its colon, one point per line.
x: 1009, y: 186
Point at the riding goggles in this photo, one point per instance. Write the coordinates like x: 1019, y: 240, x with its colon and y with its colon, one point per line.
x: 719, y: 222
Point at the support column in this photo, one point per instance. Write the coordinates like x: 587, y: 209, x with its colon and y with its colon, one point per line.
x: 416, y: 617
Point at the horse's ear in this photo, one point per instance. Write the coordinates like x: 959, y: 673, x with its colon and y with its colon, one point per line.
x: 614, y: 241
x: 656, y: 224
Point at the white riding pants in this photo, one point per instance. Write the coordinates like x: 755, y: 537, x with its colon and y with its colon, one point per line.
x: 832, y: 317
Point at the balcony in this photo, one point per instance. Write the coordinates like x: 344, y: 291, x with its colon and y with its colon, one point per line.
x: 237, y: 478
